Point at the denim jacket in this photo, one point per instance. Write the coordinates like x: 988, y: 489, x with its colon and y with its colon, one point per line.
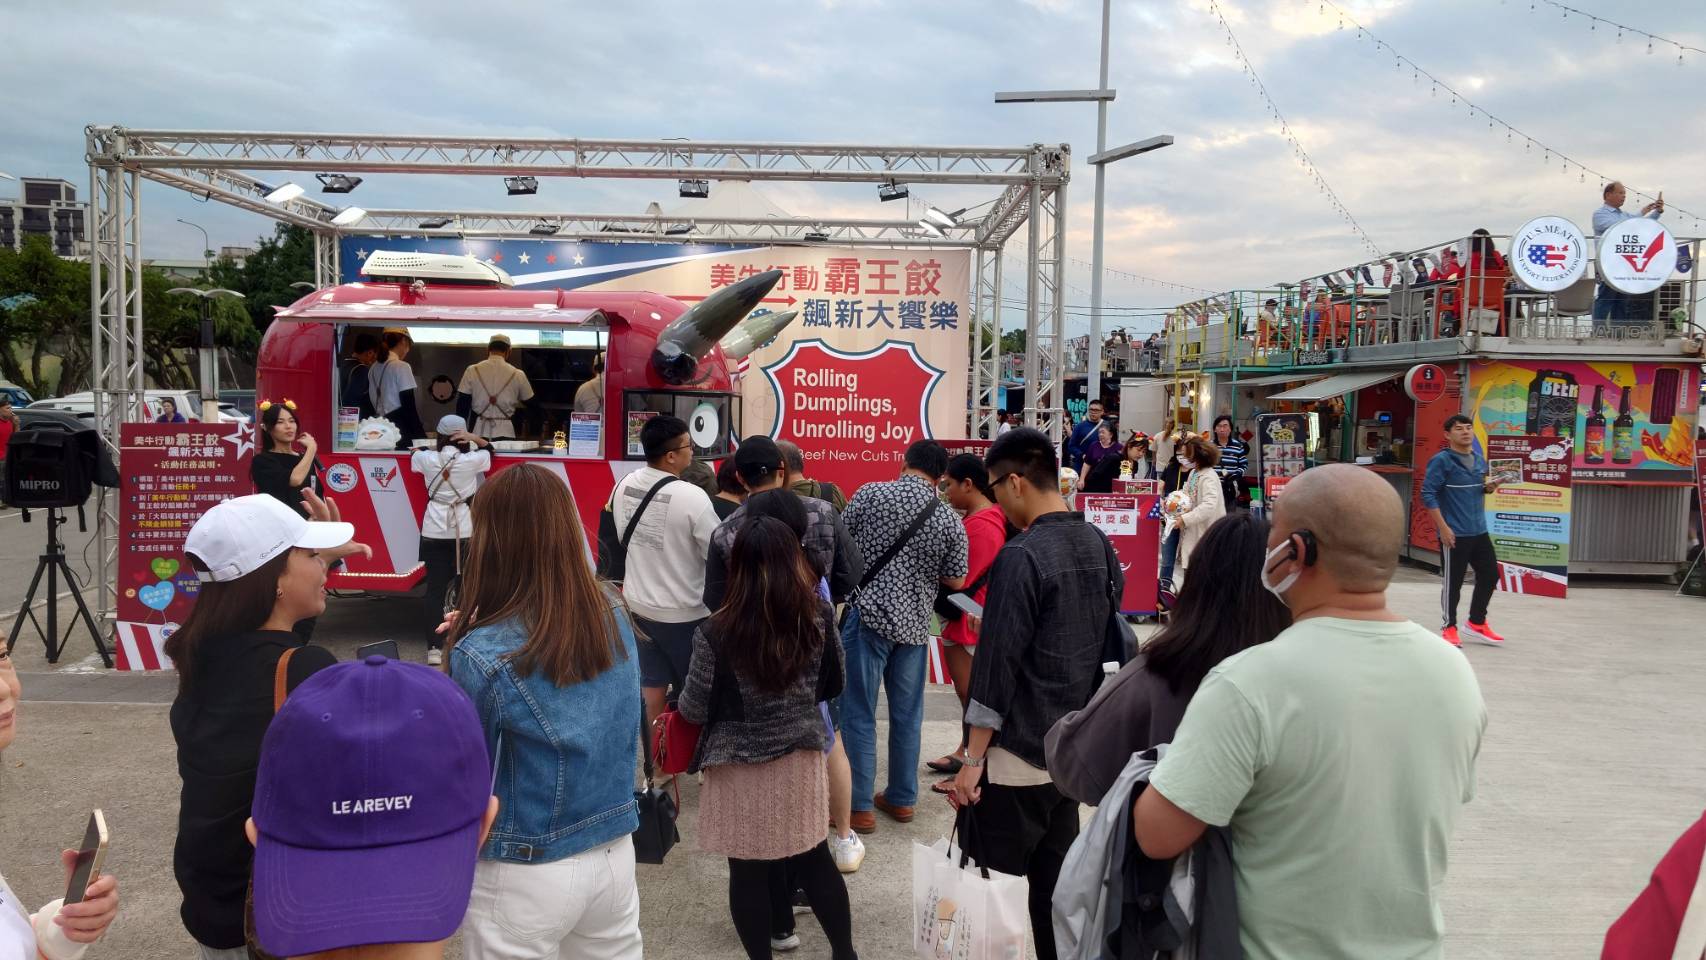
x: 565, y: 769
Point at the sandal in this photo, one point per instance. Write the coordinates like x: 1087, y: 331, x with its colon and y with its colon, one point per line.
x: 949, y: 764
x: 945, y: 787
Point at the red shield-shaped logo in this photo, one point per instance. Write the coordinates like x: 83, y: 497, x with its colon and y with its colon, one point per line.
x: 853, y: 414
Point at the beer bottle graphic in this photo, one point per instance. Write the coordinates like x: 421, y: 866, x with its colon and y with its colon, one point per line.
x: 1623, y: 432
x: 1594, y: 445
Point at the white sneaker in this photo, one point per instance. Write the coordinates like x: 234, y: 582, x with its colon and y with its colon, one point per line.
x: 435, y: 657
x: 785, y: 944
x: 848, y: 853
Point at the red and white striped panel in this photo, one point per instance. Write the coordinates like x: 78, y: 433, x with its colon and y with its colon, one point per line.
x: 141, y: 646
x: 938, y: 672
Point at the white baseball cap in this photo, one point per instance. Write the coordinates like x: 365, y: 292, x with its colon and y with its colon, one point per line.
x: 238, y: 536
x: 502, y: 338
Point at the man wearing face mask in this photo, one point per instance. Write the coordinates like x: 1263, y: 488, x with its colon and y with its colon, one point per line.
x: 1339, y: 755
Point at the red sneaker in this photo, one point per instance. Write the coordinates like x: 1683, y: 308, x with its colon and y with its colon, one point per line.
x: 1484, y: 633
x: 1450, y: 635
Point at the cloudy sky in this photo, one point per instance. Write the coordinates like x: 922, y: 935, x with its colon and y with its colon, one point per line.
x: 1227, y: 206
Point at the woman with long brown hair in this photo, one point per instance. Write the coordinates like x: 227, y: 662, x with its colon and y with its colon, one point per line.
x: 547, y: 654
x: 761, y: 665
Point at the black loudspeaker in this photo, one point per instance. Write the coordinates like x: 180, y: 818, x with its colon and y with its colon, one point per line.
x: 50, y: 467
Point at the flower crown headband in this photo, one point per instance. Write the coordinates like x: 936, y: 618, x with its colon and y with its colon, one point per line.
x: 289, y: 404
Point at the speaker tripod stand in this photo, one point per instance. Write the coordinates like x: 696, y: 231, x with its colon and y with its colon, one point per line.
x: 52, y: 564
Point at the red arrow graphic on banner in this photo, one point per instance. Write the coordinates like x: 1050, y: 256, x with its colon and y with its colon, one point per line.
x: 1652, y: 251
x: 790, y: 301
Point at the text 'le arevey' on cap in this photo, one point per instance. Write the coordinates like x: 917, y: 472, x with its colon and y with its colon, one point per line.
x: 372, y: 790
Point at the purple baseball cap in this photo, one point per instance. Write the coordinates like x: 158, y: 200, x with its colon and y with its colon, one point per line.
x: 373, y: 785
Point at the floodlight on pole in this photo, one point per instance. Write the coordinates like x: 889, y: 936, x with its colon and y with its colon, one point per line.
x: 304, y: 286
x: 931, y: 229
x: 206, y: 244
x: 1131, y: 149
x: 348, y: 215
x: 1102, y: 95
x: 943, y: 220
x: 283, y: 194
x: 6, y: 176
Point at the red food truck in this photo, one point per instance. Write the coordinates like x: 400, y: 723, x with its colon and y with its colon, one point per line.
x: 661, y: 356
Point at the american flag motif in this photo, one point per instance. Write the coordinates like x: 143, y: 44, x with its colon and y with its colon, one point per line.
x: 1155, y: 510
x: 1547, y: 255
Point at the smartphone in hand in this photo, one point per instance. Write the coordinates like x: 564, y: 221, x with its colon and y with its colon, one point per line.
x: 89, y: 858
x: 385, y: 648
x: 967, y: 604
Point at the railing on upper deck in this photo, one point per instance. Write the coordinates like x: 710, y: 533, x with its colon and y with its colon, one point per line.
x: 1413, y: 303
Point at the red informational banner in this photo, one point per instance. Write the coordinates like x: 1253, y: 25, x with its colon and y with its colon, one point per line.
x: 172, y: 473
x: 1700, y: 481
x: 853, y: 414
x: 1529, y: 514
x: 1133, y: 524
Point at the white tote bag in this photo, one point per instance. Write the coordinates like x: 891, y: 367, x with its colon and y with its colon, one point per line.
x: 962, y: 912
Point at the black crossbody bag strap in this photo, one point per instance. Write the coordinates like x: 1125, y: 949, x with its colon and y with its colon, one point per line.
x: 900, y: 541
x: 634, y: 521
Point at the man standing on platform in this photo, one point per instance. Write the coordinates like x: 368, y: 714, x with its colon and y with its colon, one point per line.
x: 1608, y: 302
x: 912, y: 544
x: 1454, y: 490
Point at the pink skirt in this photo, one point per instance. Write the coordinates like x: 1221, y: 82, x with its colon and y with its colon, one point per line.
x: 765, y: 811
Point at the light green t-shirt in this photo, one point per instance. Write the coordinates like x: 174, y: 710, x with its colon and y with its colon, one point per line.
x: 1340, y: 753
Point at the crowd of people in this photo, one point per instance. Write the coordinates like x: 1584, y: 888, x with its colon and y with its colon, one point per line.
x: 375, y: 808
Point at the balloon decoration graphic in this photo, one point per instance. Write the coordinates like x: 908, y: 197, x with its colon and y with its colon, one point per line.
x: 158, y: 596
x: 163, y: 567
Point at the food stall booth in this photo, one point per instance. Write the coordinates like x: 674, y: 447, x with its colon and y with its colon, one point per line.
x: 1517, y: 359
x: 661, y: 357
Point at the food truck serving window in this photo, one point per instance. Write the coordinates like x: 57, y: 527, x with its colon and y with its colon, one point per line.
x: 709, y: 418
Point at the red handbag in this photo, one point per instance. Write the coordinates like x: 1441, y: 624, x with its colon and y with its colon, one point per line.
x: 674, y: 741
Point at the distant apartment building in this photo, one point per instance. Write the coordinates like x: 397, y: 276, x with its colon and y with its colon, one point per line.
x: 47, y: 208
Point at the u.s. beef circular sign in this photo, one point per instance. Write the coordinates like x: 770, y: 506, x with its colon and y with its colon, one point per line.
x: 1637, y: 256
x: 1548, y: 254
x: 1425, y: 382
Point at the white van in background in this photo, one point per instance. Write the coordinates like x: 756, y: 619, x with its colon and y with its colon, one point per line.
x: 188, y: 403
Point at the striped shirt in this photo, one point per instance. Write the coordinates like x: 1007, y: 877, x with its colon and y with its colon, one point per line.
x: 1234, y: 457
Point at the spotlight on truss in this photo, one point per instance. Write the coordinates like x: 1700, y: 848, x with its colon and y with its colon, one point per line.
x: 931, y: 229
x: 521, y: 186
x: 337, y: 182
x: 943, y: 220
x: 892, y: 191
x: 545, y: 228
x: 435, y: 223
x: 348, y: 215
x: 282, y: 194
x: 696, y: 189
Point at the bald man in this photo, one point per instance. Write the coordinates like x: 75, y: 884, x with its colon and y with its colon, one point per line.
x: 1339, y: 755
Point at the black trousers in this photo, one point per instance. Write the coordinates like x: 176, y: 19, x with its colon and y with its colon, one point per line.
x: 760, y: 892
x: 1471, y: 551
x: 1025, y: 832
x: 440, y: 559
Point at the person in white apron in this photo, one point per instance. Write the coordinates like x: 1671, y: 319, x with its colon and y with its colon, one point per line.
x: 391, y: 387
x: 453, y: 473
x: 492, y: 390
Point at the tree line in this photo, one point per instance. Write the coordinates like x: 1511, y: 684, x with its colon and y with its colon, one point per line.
x: 44, y: 313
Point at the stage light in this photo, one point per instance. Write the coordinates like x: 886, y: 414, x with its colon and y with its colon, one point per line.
x: 931, y: 229
x: 347, y: 216
x: 283, y: 194
x: 892, y: 191
x: 336, y: 182
x: 696, y: 189
x: 435, y: 223
x: 521, y: 186
x: 943, y: 220
x: 545, y: 229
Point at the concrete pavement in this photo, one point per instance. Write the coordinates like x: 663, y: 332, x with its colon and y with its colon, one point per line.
x: 1590, y: 769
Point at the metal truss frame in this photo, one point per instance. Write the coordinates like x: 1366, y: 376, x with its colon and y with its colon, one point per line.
x: 216, y: 165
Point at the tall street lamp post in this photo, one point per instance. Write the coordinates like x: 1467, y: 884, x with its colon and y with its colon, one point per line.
x: 1102, y: 95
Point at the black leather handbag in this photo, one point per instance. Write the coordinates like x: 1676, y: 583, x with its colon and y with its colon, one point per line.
x: 657, y: 832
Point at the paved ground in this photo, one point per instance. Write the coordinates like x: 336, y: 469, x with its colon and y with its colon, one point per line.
x: 21, y: 544
x: 1590, y: 770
